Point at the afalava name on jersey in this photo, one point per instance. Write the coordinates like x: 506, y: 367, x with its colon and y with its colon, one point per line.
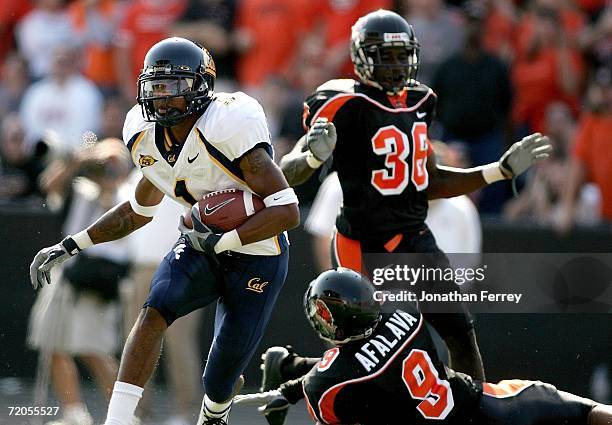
x: 399, y: 326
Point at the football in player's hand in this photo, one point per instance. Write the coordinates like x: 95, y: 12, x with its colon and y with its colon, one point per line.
x: 227, y: 209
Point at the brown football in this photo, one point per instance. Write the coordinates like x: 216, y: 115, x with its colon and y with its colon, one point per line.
x: 227, y: 209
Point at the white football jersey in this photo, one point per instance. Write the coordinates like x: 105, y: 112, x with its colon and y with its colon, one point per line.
x: 232, y: 125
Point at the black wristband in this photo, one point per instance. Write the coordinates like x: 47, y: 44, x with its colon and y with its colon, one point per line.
x: 70, y: 245
x: 210, y: 242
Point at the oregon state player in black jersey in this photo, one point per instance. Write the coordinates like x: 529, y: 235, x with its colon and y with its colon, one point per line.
x: 377, y: 130
x: 383, y: 369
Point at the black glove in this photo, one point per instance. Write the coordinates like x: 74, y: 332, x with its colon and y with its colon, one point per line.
x: 201, y: 237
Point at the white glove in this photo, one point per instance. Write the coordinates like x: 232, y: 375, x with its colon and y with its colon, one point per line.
x: 272, y: 404
x: 522, y: 155
x: 257, y: 399
x: 321, y: 139
x: 47, y: 258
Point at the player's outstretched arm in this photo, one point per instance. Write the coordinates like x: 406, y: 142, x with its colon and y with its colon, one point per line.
x: 274, y: 404
x: 465, y: 355
x: 131, y: 215
x: 310, y: 152
x: 115, y: 224
x: 447, y: 182
x: 295, y: 165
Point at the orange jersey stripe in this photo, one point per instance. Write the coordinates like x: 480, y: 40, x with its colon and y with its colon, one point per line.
x: 393, y: 243
x: 348, y: 253
x: 506, y: 388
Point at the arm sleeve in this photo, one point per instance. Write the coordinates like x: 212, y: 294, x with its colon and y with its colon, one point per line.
x: 326, y: 206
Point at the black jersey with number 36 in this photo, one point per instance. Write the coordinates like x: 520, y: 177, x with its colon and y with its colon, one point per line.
x: 392, y: 377
x: 380, y: 156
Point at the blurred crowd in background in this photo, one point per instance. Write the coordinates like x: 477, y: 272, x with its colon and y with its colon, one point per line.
x: 501, y: 69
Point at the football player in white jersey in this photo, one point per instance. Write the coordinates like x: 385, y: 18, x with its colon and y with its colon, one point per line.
x: 188, y: 141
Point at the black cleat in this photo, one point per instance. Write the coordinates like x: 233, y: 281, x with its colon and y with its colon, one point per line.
x: 275, y: 411
x: 215, y: 421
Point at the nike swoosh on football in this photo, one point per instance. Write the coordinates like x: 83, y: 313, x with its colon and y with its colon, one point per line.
x: 421, y: 114
x: 190, y: 160
x: 211, y: 210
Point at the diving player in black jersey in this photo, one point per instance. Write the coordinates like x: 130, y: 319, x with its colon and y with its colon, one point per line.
x: 377, y: 130
x: 383, y: 369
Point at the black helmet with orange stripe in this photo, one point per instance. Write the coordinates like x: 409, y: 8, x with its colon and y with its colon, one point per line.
x: 340, y: 306
x: 385, y: 51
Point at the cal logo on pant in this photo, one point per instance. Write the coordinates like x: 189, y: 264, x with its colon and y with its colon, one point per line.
x: 256, y: 285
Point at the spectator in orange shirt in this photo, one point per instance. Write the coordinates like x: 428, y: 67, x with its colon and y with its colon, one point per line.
x: 95, y: 22
x: 11, y: 12
x: 268, y: 36
x: 569, y: 18
x: 145, y: 23
x: 592, y: 156
x: 338, y: 17
x: 499, y: 24
x: 547, y: 70
x: 592, y: 7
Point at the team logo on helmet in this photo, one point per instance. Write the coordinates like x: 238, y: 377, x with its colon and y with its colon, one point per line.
x: 210, y: 67
x: 324, y: 316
